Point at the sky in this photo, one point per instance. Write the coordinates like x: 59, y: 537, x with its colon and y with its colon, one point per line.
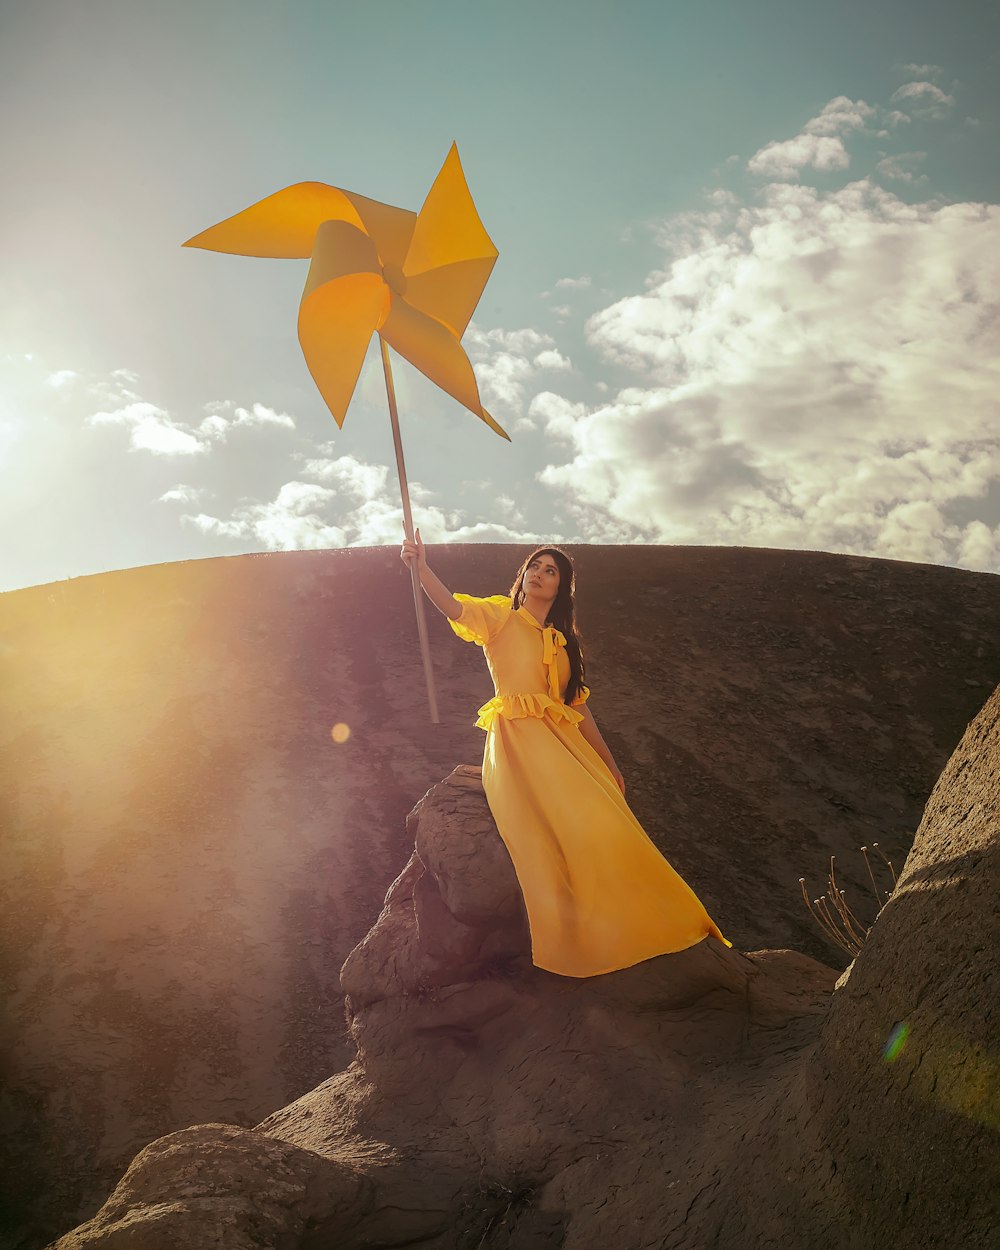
x: 747, y: 294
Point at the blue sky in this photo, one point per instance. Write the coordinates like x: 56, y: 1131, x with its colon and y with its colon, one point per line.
x: 746, y: 294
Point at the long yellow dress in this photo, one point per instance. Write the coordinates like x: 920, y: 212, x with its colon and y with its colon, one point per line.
x: 598, y: 893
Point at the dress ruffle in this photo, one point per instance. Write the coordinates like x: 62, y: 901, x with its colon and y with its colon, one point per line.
x: 480, y: 623
x: 514, y: 706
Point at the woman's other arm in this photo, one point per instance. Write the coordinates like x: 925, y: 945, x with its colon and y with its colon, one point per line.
x: 588, y: 727
x: 434, y: 588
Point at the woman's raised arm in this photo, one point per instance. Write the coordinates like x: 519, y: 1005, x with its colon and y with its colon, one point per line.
x: 434, y: 588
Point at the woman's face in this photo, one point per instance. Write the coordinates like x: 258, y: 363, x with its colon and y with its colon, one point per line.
x: 541, y: 578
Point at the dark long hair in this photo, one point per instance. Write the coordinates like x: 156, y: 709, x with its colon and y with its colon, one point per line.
x: 562, y: 613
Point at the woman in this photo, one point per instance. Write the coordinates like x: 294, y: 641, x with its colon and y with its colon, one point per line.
x: 598, y: 894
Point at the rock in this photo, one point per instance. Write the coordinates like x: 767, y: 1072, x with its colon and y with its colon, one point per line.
x: 490, y: 1098
x: 454, y: 911
x: 702, y: 1098
x: 879, y: 1143
x: 218, y: 1185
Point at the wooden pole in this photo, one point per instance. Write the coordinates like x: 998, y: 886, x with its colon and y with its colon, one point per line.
x: 404, y: 491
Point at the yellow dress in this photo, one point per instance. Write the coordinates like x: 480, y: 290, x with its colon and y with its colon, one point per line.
x: 598, y: 893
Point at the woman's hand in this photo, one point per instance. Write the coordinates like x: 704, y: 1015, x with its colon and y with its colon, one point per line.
x: 411, y: 551
x: 619, y: 779
x: 413, y: 555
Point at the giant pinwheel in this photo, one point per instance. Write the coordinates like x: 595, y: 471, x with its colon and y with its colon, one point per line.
x: 412, y: 278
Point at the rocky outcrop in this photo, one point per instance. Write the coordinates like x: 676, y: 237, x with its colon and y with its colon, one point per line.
x: 190, y: 856
x: 490, y: 1099
x: 703, y: 1098
x: 890, y: 1132
x: 220, y: 1185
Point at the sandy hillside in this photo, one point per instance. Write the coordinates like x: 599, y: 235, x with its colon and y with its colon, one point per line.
x: 709, y: 1097
x: 190, y: 857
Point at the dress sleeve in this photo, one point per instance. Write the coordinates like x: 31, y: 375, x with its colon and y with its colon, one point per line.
x: 481, y: 619
x: 582, y: 697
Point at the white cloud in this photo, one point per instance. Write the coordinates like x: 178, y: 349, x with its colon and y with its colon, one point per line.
x: 574, y: 284
x: 290, y: 522
x: 151, y: 429
x: 293, y: 522
x: 922, y: 71
x: 116, y: 388
x: 225, y: 416
x: 352, y: 476
x: 784, y: 160
x: 840, y: 116
x: 508, y: 362
x: 61, y: 378
x: 979, y: 548
x: 352, y: 504
x: 817, y: 371
x: 508, y: 507
x: 182, y: 493
x: 558, y: 414
x: 890, y: 121
x: 214, y: 526
x: 819, y: 146
x: 924, y: 100
x: 552, y: 360
x: 901, y: 167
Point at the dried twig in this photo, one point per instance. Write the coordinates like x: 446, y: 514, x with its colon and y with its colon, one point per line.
x: 834, y: 915
x: 887, y: 862
x: 878, y: 897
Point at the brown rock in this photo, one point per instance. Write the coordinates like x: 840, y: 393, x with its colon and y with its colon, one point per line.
x: 218, y: 1185
x: 702, y: 1098
x: 873, y: 1147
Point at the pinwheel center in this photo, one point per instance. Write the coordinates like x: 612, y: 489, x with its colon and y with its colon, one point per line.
x: 395, y: 278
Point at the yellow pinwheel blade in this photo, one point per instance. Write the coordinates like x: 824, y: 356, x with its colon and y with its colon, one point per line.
x: 281, y: 225
x: 391, y: 229
x: 339, y: 250
x: 450, y: 293
x: 344, y: 301
x: 414, y: 277
x: 448, y: 228
x: 437, y: 353
x: 336, y: 323
x: 284, y: 225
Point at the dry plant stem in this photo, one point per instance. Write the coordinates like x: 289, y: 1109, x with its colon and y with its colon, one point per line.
x: 878, y: 896
x: 819, y: 911
x: 852, y: 934
x: 853, y: 939
x: 828, y: 926
x: 848, y: 941
x: 855, y: 933
x: 833, y: 913
x: 833, y: 890
x: 815, y: 913
x: 859, y: 925
x: 887, y: 862
x: 404, y: 492
x: 843, y: 918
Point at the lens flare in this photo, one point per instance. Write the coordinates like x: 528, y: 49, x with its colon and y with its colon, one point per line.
x: 340, y: 732
x: 896, y: 1041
